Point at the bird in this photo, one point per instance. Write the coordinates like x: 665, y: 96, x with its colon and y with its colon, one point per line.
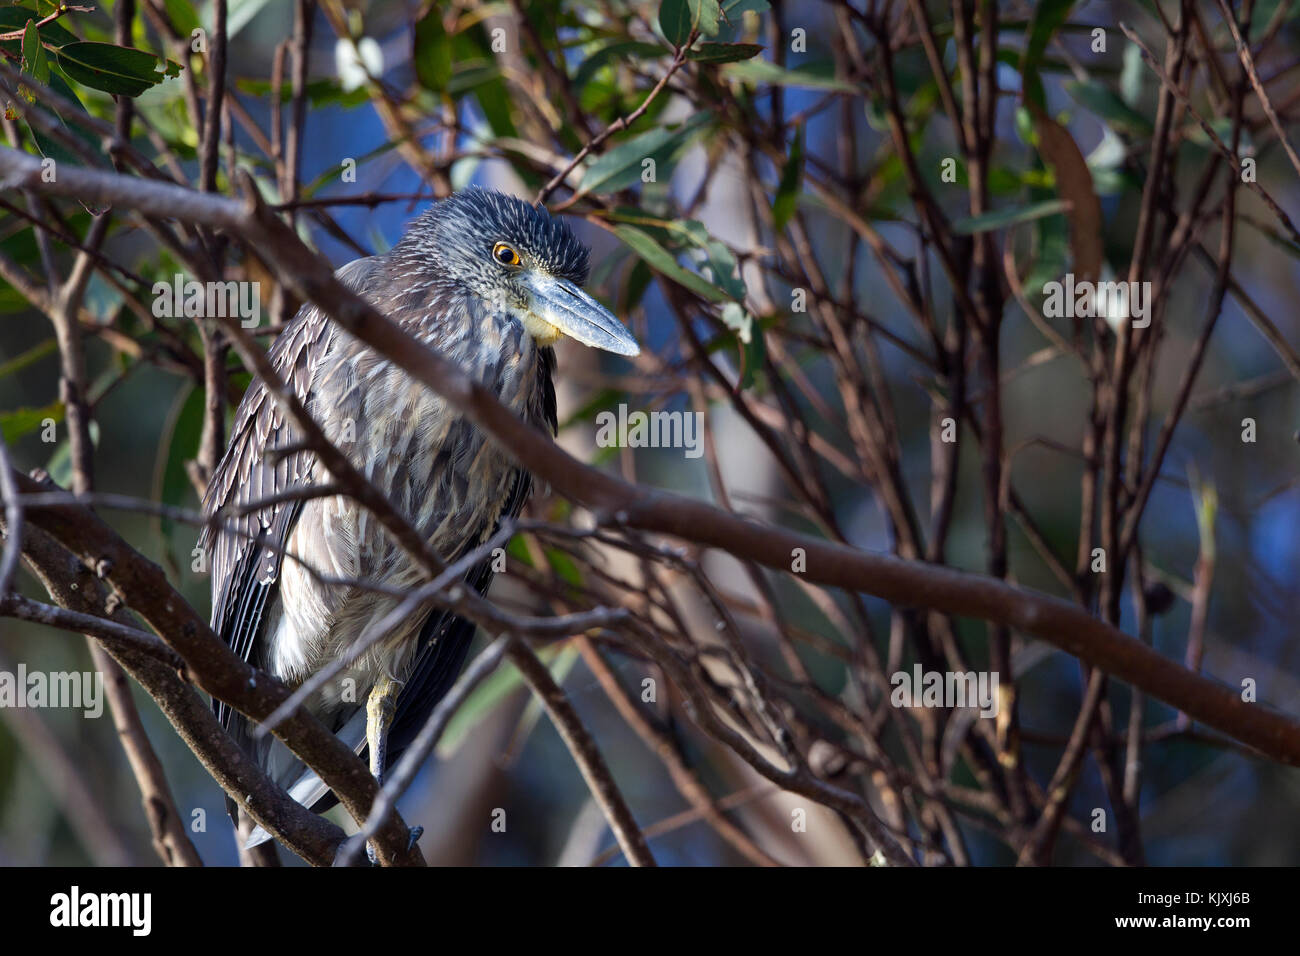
x: 493, y: 283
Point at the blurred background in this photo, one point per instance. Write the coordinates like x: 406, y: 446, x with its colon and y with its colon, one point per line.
x: 67, y: 796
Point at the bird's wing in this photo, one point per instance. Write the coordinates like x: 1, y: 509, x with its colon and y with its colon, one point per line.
x: 246, y: 551
x: 444, y: 641
x: 445, y: 638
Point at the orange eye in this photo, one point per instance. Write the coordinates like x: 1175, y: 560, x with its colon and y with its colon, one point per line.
x: 505, y: 255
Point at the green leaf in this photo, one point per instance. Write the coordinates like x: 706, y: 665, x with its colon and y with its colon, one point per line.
x: 638, y: 280
x: 814, y: 76
x: 711, y: 254
x: 1222, y: 127
x: 59, y: 466
x: 495, y: 690
x: 15, y: 18
x: 724, y: 52
x: 1205, y: 499
x: 677, y: 18
x: 1049, y: 17
x: 616, y: 52
x: 34, y: 62
x: 663, y: 262
x: 475, y: 68
x: 787, y: 191
x: 241, y: 13
x: 621, y: 166
x: 471, y: 74
x: 23, y: 421
x: 184, y: 17
x: 52, y: 148
x: 32, y: 355
x: 565, y: 568
x: 1051, y: 237
x: 1132, y: 75
x: 517, y: 550
x: 560, y: 668
x: 60, y: 85
x: 710, y: 15
x: 1118, y: 114
x: 753, y: 352
x: 101, y: 299
x: 721, y: 265
x: 433, y: 53
x: 121, y: 70
x: 326, y: 92
x: 1008, y: 217
x: 179, y: 441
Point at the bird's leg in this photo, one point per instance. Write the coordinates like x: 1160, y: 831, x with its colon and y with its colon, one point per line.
x: 380, y: 707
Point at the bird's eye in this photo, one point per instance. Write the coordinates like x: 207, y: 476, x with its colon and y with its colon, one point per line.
x: 504, y: 254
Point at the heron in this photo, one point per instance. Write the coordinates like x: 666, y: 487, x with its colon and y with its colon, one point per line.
x: 493, y: 283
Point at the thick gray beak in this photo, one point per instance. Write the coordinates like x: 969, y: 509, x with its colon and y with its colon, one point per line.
x: 562, y: 304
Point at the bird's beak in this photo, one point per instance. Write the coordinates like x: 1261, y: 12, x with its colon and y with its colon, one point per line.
x: 561, y: 305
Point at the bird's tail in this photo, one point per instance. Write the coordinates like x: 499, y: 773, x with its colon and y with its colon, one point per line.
x: 301, y: 782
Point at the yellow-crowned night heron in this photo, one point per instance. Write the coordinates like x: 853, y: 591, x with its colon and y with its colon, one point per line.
x: 493, y: 283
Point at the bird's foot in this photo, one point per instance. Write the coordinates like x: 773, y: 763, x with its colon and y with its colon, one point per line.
x: 412, y: 838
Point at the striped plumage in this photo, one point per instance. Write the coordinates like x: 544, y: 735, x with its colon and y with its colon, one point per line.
x: 443, y: 284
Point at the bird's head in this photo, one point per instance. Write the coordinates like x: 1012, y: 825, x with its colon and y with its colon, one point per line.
x: 516, y: 258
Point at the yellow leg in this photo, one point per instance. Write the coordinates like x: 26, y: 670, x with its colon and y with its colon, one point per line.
x: 380, y: 707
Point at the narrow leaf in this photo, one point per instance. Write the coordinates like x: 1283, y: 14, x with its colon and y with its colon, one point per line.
x: 22, y: 421
x: 34, y: 63
x: 788, y: 190
x: 1007, y: 217
x: 663, y: 262
x: 724, y: 52
x: 621, y: 166
x: 812, y: 76
x: 1049, y: 17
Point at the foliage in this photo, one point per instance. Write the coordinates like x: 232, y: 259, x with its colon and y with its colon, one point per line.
x: 840, y: 256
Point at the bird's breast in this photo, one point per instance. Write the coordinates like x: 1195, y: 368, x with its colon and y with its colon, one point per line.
x: 432, y: 463
x: 441, y: 471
